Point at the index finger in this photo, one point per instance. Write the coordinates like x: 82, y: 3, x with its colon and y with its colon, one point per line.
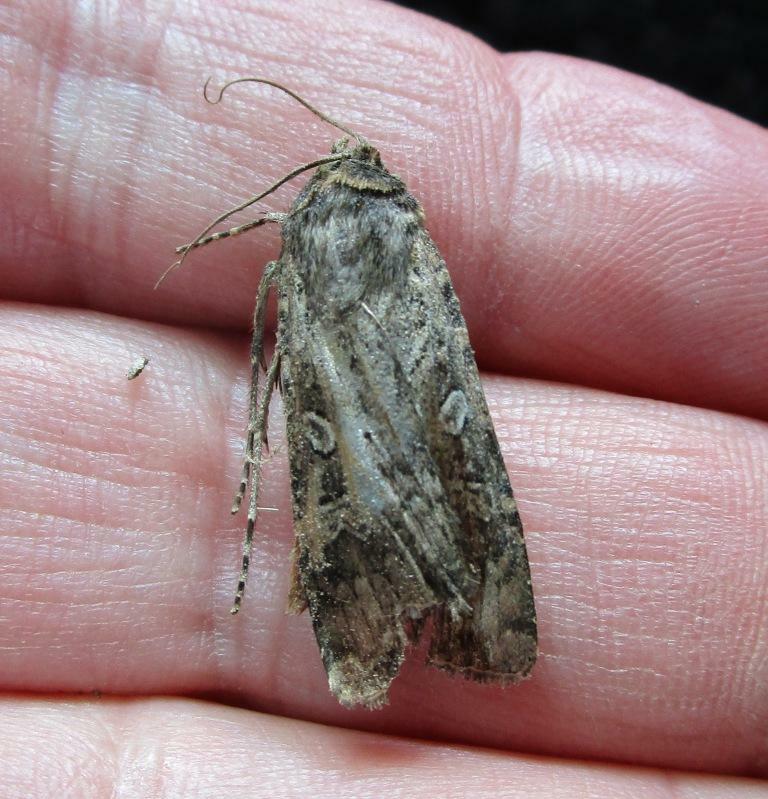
x: 601, y: 229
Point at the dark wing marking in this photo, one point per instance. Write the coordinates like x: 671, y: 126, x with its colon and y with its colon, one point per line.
x: 498, y: 641
x: 377, y: 538
x: 402, y: 505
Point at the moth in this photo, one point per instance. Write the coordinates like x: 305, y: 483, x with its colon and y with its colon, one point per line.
x: 405, y: 522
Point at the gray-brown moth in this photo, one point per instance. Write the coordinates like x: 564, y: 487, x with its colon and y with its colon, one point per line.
x: 403, y: 512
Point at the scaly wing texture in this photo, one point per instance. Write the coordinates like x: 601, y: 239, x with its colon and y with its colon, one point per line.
x: 377, y: 536
x: 402, y: 505
x: 498, y: 641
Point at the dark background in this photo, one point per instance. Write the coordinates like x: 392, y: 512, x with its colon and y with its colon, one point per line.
x: 716, y: 51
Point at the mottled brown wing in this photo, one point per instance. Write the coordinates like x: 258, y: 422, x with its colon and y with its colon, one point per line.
x: 377, y: 540
x: 498, y: 641
x: 402, y: 505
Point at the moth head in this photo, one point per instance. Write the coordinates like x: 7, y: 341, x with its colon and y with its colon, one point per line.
x: 365, y: 152
x: 340, y: 146
x: 360, y: 150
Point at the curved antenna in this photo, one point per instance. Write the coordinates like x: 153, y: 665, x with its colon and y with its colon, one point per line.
x: 250, y: 201
x: 290, y: 93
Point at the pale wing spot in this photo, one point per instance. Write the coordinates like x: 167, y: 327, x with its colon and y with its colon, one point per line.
x: 454, y: 412
x: 320, y: 434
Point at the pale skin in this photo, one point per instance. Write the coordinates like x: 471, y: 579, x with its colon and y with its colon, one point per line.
x: 608, y: 239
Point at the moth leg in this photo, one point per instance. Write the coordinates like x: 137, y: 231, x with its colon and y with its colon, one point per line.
x: 256, y: 429
x: 257, y: 361
x: 235, y: 231
x: 258, y: 407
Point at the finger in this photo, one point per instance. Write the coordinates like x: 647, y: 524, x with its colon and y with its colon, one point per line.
x: 601, y: 229
x: 196, y: 749
x: 645, y: 527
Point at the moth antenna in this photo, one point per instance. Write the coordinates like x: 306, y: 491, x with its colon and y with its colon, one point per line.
x: 328, y: 159
x: 298, y: 98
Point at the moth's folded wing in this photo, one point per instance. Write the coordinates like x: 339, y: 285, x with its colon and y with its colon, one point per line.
x: 498, y: 641
x: 377, y: 546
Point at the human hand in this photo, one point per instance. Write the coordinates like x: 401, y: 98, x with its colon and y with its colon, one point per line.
x: 607, y: 238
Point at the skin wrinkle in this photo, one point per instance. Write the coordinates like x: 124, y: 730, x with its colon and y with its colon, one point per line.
x: 664, y: 412
x: 555, y: 349
x: 687, y: 293
x: 116, y: 740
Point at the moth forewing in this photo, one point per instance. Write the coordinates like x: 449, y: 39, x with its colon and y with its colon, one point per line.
x: 402, y: 506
